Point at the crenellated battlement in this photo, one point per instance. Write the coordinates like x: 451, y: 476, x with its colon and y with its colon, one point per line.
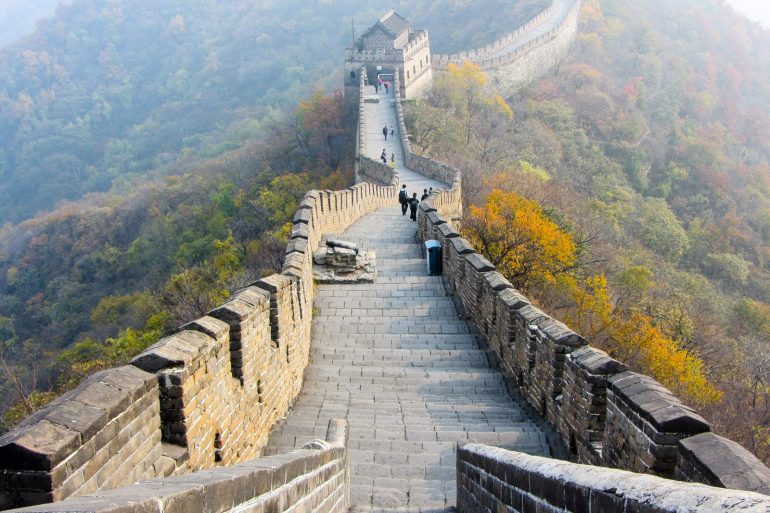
x: 191, y: 415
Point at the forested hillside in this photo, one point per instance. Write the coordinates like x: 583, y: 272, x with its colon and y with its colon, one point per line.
x: 108, y: 90
x: 628, y: 192
x: 152, y: 154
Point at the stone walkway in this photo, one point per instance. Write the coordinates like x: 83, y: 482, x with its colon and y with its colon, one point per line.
x: 378, y: 115
x: 394, y: 358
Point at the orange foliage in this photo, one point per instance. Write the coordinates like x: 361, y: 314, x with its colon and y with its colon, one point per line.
x: 517, y: 237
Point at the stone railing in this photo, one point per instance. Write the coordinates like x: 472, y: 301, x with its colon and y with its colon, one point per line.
x: 603, y: 413
x: 448, y: 201
x: 505, y: 41
x: 490, y: 479
x: 361, y: 127
x: 203, y: 397
x: 312, y: 479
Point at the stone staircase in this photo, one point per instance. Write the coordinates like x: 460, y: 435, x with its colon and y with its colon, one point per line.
x: 396, y: 361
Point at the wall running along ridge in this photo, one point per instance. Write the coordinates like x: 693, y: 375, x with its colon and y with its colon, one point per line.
x: 513, y: 70
x: 201, y: 398
x: 208, y: 395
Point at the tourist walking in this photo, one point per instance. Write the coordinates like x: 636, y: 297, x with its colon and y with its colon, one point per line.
x: 413, y: 202
x: 392, y: 131
x: 384, y: 156
x: 424, y: 194
x: 403, y: 198
x: 387, y: 87
x: 385, y: 132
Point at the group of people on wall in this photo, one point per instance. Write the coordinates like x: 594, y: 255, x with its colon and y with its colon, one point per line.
x: 411, y: 203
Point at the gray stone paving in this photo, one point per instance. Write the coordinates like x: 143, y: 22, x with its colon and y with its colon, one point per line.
x: 394, y: 358
x: 383, y: 113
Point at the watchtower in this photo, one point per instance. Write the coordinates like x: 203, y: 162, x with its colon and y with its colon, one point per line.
x: 388, y: 45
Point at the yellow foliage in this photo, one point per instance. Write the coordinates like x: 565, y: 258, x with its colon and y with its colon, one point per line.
x: 637, y: 342
x: 632, y: 338
x: 517, y: 237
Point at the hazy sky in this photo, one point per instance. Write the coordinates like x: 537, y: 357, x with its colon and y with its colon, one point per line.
x: 756, y: 10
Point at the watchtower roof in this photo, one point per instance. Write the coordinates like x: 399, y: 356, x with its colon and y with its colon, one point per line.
x: 394, y: 22
x: 391, y: 23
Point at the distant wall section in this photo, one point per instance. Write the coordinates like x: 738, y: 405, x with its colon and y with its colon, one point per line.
x: 519, y: 58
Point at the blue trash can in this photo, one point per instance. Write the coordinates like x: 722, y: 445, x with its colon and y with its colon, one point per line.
x: 433, y: 256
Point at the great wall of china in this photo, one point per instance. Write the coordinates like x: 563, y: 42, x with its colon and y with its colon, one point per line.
x: 187, y: 426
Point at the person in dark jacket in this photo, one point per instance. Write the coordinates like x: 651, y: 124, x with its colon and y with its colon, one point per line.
x: 403, y: 198
x: 424, y: 194
x: 413, y: 202
x: 385, y: 132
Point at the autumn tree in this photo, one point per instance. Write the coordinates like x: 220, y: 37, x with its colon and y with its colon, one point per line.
x: 518, y: 238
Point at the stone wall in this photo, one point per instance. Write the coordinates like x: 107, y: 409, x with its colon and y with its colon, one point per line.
x: 478, y: 54
x: 448, y: 200
x: 604, y: 414
x: 491, y: 480
x: 203, y: 397
x: 104, y: 434
x: 314, y: 479
x: 512, y: 70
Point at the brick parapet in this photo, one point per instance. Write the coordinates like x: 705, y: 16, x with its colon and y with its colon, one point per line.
x: 604, y: 414
x: 490, y: 479
x: 313, y: 479
x: 447, y: 201
x: 104, y: 434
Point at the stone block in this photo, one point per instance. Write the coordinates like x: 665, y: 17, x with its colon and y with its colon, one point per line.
x: 461, y: 246
x: 174, y: 351
x: 722, y: 462
x: 40, y: 446
x: 233, y: 313
x: 512, y: 299
x: 479, y: 263
x: 595, y: 361
x: 561, y: 334
x: 447, y: 231
x: 210, y: 326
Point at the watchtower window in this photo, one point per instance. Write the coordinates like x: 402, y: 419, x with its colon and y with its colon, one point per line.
x: 407, y: 75
x: 414, y: 69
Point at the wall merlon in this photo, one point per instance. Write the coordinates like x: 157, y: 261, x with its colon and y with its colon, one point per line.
x: 512, y: 299
x: 461, y: 246
x: 279, y: 481
x: 214, y: 328
x: 178, y: 350
x: 717, y: 461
